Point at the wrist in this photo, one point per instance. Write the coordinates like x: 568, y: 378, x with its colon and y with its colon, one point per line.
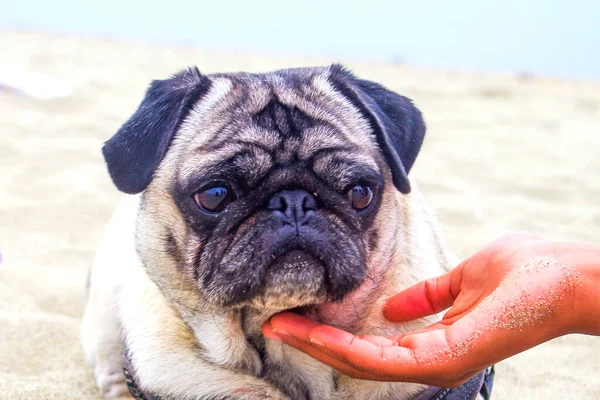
x: 583, y: 262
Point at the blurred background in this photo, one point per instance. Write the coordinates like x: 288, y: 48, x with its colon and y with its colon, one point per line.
x: 558, y: 38
x: 510, y: 91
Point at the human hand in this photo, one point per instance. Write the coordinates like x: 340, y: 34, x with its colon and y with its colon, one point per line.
x: 516, y: 293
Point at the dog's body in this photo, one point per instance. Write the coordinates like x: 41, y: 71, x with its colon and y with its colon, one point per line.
x: 260, y: 193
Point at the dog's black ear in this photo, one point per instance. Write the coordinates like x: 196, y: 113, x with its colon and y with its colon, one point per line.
x: 135, y: 151
x: 397, y: 123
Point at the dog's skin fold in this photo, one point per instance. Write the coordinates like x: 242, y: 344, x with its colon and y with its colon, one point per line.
x: 186, y: 289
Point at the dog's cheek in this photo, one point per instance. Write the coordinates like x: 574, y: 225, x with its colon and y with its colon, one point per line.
x: 372, y: 239
x: 228, y: 266
x: 348, y: 269
x: 173, y: 249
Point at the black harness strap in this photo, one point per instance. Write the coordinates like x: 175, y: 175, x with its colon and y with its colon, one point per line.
x: 136, y: 391
x: 480, y: 384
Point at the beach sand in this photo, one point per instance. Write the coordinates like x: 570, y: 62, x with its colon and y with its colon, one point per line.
x: 502, y: 153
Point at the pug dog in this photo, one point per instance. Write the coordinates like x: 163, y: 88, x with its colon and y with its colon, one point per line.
x: 251, y: 194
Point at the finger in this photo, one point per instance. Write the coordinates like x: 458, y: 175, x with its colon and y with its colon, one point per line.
x: 300, y: 327
x: 323, y: 355
x: 383, y: 361
x: 415, y: 355
x: 425, y: 298
x: 437, y: 325
x: 377, y: 340
x: 267, y: 331
x: 294, y: 324
x: 427, y: 343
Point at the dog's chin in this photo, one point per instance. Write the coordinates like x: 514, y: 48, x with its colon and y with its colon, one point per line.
x: 294, y: 280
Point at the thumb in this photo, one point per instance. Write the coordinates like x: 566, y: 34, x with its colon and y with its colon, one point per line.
x: 425, y: 298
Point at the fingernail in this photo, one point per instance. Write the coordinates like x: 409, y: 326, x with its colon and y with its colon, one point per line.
x: 271, y: 335
x: 317, y: 342
x: 281, y: 332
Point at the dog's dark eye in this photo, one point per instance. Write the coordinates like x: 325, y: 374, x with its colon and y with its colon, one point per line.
x: 360, y: 196
x: 214, y: 199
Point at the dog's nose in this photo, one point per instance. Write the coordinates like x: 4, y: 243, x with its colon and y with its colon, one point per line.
x: 293, y: 205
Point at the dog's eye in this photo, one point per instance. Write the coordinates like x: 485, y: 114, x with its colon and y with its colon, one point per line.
x: 214, y: 199
x: 360, y: 196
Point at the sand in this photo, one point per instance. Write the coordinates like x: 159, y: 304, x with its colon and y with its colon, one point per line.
x: 502, y: 153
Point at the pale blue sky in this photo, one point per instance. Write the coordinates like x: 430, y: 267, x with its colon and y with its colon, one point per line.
x: 553, y: 37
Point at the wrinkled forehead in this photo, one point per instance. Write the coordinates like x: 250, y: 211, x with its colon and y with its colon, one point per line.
x: 271, y: 119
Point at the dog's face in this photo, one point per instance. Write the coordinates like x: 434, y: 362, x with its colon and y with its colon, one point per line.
x: 265, y: 189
